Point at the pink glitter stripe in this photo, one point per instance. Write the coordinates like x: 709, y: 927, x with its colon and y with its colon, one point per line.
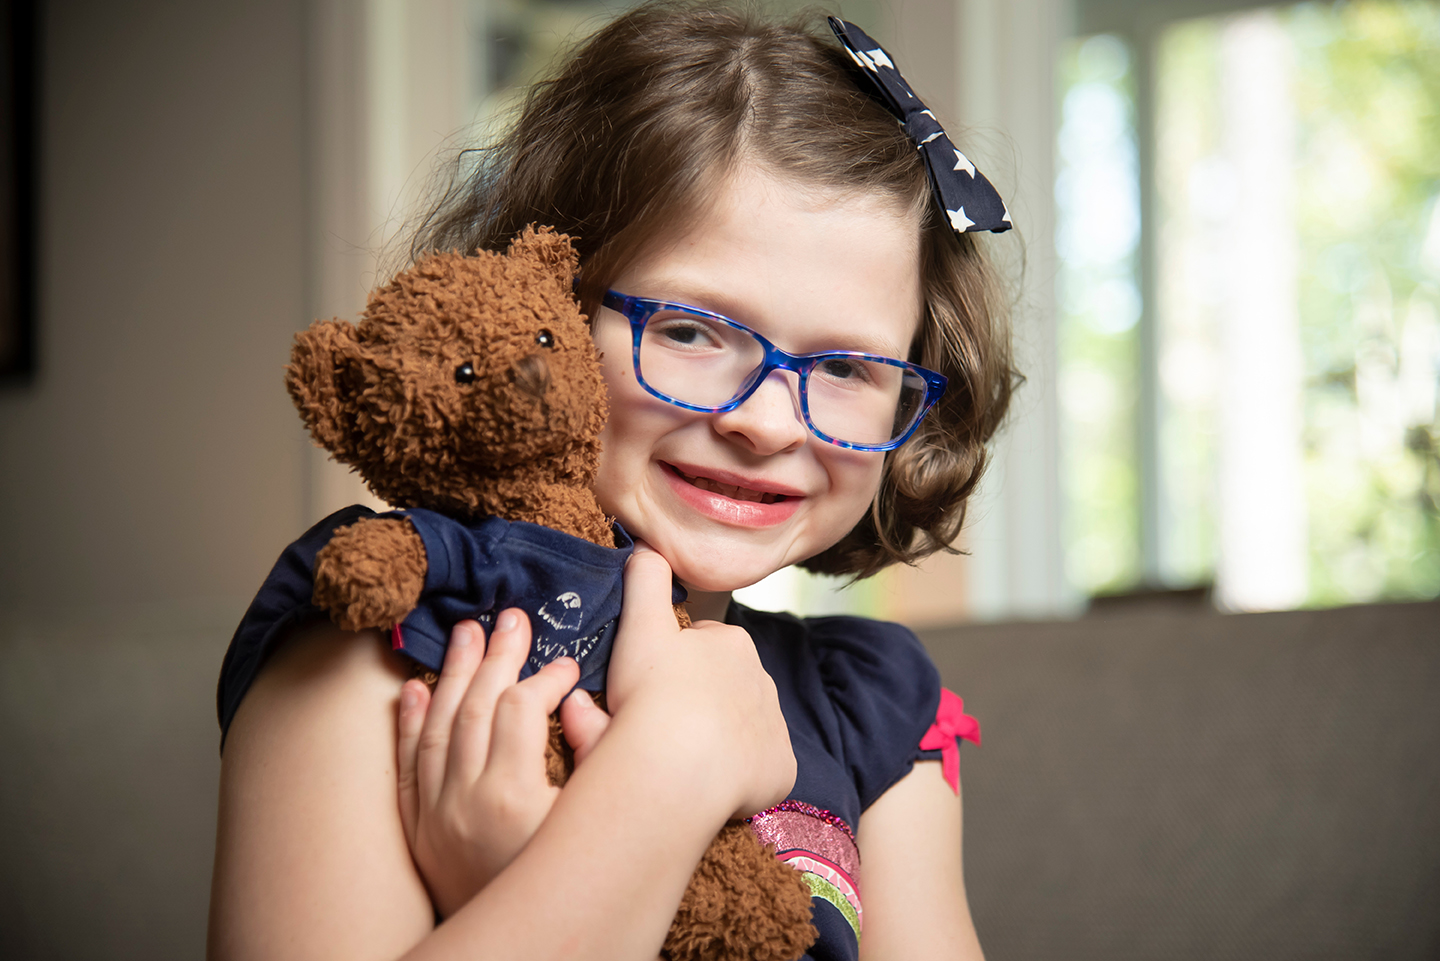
x: 800, y: 807
x: 792, y: 831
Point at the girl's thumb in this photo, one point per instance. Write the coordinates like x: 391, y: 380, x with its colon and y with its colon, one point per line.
x: 583, y: 723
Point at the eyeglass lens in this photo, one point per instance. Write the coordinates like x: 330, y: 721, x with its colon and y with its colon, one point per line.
x: 702, y: 362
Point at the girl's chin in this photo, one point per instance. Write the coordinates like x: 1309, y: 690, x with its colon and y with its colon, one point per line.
x: 708, y: 579
x: 709, y: 582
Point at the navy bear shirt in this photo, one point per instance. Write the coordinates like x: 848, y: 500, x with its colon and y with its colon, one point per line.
x: 858, y: 695
x: 571, y: 587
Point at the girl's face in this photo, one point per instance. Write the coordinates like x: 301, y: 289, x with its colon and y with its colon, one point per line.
x: 810, y: 272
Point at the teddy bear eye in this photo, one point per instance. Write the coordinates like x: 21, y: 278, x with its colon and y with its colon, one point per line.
x: 545, y: 338
x: 465, y: 373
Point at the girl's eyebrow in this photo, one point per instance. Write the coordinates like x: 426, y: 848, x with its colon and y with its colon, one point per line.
x: 719, y: 302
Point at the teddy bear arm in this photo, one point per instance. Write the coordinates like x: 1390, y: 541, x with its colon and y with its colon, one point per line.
x: 371, y: 573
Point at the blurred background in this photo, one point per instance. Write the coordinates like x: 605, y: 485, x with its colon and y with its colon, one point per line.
x: 1226, y: 274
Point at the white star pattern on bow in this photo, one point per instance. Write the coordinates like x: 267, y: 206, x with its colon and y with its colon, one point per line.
x: 963, y: 163
x: 879, y: 57
x: 862, y: 61
x: 892, y: 92
x: 958, y: 221
x: 933, y: 136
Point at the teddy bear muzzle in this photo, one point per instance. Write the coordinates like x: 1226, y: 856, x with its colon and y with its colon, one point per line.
x: 532, y: 375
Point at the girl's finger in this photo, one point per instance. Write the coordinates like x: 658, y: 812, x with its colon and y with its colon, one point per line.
x: 647, y: 590
x: 522, y: 722
x: 647, y: 632
x: 414, y: 703
x: 505, y: 655
x: 462, y: 657
x: 583, y: 723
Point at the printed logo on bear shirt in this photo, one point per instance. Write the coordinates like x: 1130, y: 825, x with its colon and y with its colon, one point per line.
x: 563, y: 613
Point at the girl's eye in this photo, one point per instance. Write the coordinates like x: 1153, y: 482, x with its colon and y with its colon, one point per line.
x: 545, y: 339
x: 684, y: 333
x: 844, y: 368
x: 465, y: 373
x: 680, y: 335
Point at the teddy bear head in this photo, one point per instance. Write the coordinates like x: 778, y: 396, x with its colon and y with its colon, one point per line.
x: 465, y: 371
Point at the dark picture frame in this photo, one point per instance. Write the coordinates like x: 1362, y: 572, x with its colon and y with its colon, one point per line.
x: 19, y: 114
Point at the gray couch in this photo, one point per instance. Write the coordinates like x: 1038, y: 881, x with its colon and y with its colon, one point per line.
x: 1150, y: 786
x: 1183, y: 784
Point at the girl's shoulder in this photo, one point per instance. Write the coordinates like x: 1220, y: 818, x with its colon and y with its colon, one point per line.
x: 866, y: 690
x: 853, y: 654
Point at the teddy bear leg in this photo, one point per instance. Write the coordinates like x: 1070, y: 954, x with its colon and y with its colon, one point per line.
x: 370, y: 574
x: 741, y: 903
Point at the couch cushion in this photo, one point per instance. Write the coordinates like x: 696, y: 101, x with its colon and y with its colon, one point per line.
x: 1204, y: 786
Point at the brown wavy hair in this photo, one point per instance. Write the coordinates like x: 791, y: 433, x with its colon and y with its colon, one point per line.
x: 630, y: 141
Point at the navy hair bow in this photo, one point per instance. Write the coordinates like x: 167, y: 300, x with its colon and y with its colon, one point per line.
x: 968, y: 199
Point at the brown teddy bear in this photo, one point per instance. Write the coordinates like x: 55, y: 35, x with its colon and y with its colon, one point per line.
x: 470, y: 396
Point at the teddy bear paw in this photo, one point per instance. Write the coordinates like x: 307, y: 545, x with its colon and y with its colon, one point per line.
x: 370, y: 574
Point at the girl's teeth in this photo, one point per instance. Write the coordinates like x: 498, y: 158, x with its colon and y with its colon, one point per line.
x: 737, y: 493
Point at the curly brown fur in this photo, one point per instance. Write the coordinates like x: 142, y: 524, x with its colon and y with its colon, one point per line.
x: 741, y: 903
x: 370, y: 574
x: 383, y: 396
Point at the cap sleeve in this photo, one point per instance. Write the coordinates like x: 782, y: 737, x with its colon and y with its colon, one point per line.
x: 885, y: 692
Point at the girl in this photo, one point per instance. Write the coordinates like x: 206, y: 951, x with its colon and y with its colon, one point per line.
x: 741, y: 194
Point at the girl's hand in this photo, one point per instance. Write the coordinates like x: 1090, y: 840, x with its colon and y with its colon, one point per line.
x: 472, y: 756
x: 708, y: 703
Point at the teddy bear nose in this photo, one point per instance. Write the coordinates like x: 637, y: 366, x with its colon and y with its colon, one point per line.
x: 532, y: 375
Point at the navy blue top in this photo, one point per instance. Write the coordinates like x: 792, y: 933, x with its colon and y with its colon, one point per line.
x: 858, y: 695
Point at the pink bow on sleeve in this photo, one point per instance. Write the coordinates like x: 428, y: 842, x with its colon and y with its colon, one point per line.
x: 951, y: 722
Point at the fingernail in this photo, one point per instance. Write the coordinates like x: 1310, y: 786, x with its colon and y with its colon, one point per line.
x: 408, y: 699
x: 460, y: 637
x: 507, y: 622
x: 642, y: 548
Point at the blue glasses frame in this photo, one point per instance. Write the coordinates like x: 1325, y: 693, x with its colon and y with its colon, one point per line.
x: 639, y: 310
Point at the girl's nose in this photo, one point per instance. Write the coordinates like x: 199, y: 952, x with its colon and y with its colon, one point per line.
x: 770, y: 420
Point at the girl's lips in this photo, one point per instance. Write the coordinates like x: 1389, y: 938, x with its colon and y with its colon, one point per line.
x: 724, y: 497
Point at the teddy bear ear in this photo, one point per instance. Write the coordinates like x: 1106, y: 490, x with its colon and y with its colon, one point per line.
x: 313, y: 378
x: 550, y: 252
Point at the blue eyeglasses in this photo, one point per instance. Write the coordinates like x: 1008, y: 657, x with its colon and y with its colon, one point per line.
x: 707, y: 362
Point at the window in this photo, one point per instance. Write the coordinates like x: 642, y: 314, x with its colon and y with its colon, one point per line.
x: 1248, y: 389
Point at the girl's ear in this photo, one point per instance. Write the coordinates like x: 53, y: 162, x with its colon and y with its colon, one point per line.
x: 551, y: 254
x: 313, y: 377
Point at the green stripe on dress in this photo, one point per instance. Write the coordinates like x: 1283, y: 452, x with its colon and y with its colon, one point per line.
x: 825, y: 891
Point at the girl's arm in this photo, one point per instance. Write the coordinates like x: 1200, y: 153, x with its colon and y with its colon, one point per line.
x: 311, y: 857
x: 914, y: 887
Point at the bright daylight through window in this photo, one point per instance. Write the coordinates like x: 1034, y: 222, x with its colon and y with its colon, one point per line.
x: 1275, y: 385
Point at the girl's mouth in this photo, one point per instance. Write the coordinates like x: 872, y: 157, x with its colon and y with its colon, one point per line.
x: 732, y: 504
x: 728, y: 490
